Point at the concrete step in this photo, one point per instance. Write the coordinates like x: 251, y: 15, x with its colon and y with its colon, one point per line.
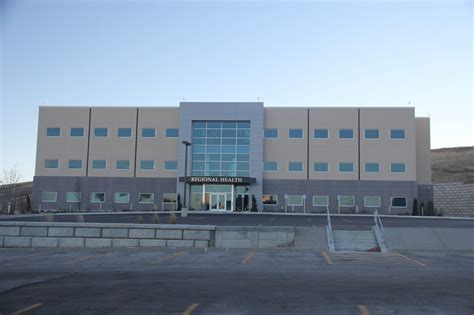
x: 354, y: 240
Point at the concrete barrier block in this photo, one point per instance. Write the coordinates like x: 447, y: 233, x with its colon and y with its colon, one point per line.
x: 71, y: 242
x: 152, y: 243
x: 16, y: 241
x: 34, y: 231
x: 201, y: 244
x: 169, y: 234
x: 61, y: 231
x: 141, y: 233
x: 10, y: 230
x: 236, y: 234
x: 271, y: 243
x: 87, y: 232
x: 98, y: 242
x: 120, y: 242
x: 180, y: 243
x: 278, y: 236
x: 196, y: 235
x: 44, y: 242
x: 115, y: 233
x: 236, y: 243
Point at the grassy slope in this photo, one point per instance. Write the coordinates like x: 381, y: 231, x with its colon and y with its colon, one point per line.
x: 453, y: 165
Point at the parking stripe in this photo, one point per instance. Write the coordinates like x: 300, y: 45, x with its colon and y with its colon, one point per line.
x: 272, y: 219
x: 363, y: 310
x: 190, y: 309
x: 26, y: 309
x: 79, y: 260
x: 170, y: 257
x: 326, y: 256
x: 247, y: 258
x: 309, y: 220
x: 411, y: 259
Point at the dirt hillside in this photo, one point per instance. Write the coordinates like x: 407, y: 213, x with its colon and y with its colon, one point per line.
x: 453, y: 165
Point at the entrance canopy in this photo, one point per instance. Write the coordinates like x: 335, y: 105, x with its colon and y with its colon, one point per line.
x: 218, y: 180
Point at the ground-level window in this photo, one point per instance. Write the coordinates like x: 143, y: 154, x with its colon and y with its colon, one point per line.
x: 169, y: 198
x: 372, y: 201
x: 122, y: 197
x: 146, y: 197
x: 72, y: 196
x: 346, y: 201
x: 49, y: 196
x: 97, y: 197
x: 399, y: 202
x: 295, y: 200
x: 270, y: 200
x: 320, y: 201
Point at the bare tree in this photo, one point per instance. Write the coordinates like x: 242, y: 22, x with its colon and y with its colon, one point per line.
x: 9, y: 179
x: 77, y: 189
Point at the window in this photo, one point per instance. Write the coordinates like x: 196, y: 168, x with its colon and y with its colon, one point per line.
x: 270, y: 166
x: 97, y: 197
x: 320, y: 201
x: 169, y: 198
x: 321, y: 167
x: 75, y: 164
x: 321, y: 134
x: 77, y: 132
x: 397, y: 167
x: 372, y: 201
x: 399, y: 202
x: 372, y: 167
x: 124, y: 132
x: 101, y: 132
x: 346, y: 134
x: 271, y: 133
x: 148, y: 132
x: 346, y: 201
x: 49, y: 196
x: 295, y: 134
x: 371, y: 133
x: 270, y: 200
x: 295, y: 167
x: 171, y: 165
x: 122, y: 197
x: 146, y: 198
x: 51, y: 164
x: 397, y: 134
x: 99, y: 164
x: 295, y: 200
x: 53, y: 132
x: 122, y: 164
x: 172, y: 132
x: 346, y: 167
x: 147, y: 164
x: 72, y: 196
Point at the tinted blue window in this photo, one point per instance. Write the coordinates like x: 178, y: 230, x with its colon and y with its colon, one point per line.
x: 172, y: 132
x: 271, y: 133
x: 372, y: 167
x: 346, y: 167
x: 397, y: 134
x: 171, y: 165
x: 148, y: 132
x: 147, y: 164
x: 100, y: 132
x: 124, y: 132
x: 321, y: 133
x: 75, y: 164
x: 295, y: 133
x: 99, y: 164
x: 53, y: 132
x: 270, y: 166
x: 77, y: 132
x: 321, y: 167
x: 346, y: 133
x: 123, y: 164
x: 51, y: 163
x: 397, y: 167
x: 295, y: 166
x: 243, y: 124
x: 400, y: 202
x: 371, y: 133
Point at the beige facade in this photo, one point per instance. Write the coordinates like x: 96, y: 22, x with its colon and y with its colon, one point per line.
x: 423, y: 151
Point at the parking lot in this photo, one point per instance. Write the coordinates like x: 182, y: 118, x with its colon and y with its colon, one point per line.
x: 219, y: 281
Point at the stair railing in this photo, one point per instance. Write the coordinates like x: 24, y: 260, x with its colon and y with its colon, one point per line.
x: 379, y: 225
x: 329, y: 231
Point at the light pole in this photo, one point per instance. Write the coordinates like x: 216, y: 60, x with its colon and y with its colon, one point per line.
x: 186, y: 144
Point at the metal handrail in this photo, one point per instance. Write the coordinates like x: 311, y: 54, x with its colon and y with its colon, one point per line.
x: 329, y: 229
x: 378, y: 223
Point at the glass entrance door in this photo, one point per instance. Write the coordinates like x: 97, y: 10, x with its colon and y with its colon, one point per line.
x: 218, y: 201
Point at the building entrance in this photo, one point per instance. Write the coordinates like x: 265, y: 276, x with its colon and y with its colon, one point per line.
x: 218, y: 201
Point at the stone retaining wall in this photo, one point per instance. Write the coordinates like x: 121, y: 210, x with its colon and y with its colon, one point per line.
x: 55, y: 234
x: 454, y: 199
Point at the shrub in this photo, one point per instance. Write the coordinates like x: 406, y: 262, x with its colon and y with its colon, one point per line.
x: 49, y: 217
x: 415, y: 207
x: 156, y: 219
x: 80, y: 218
x: 254, y: 204
x: 180, y: 206
x: 140, y: 219
x: 172, y: 219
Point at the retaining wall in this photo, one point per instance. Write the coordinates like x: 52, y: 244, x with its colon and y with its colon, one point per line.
x: 55, y: 234
x: 454, y: 199
x: 254, y: 236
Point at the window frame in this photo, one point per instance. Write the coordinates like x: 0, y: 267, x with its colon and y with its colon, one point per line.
x: 293, y: 129
x: 122, y: 192
x: 277, y: 133
x: 344, y: 129
x: 150, y: 202
x: 169, y: 129
x: 270, y: 204
x: 398, y: 172
x: 146, y: 137
x: 319, y: 138
x: 321, y: 162
x: 270, y: 171
x: 53, y: 136
x: 404, y: 134
x: 49, y: 192
x: 106, y: 130
x: 346, y: 206
x: 339, y: 168
x: 75, y: 168
x: 83, y: 132
x: 170, y: 169
x: 51, y: 168
x: 99, y: 169
x: 327, y: 201
x: 298, y: 205
x: 147, y: 169
x: 73, y: 192
x: 371, y: 163
x: 123, y: 169
x: 175, y: 196
x: 296, y: 162
x: 97, y: 192
x: 399, y: 207
x: 379, y: 204
x: 125, y: 128
x: 365, y: 134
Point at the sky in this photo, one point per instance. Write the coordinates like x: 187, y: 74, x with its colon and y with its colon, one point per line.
x: 284, y: 53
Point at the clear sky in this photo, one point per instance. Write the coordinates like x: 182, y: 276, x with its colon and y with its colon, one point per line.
x: 154, y: 53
